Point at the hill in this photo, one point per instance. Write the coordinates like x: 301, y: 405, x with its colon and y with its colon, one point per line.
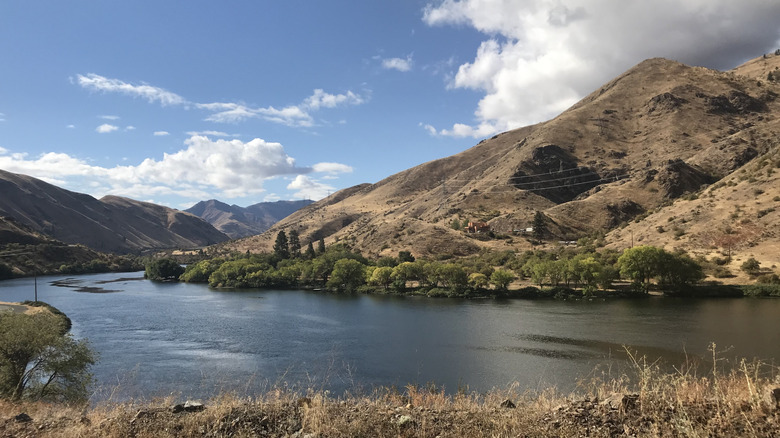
x: 658, y: 133
x: 112, y: 224
x: 239, y: 222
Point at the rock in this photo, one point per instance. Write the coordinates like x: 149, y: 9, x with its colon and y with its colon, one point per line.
x: 404, y: 421
x: 188, y: 406
x: 193, y: 406
x: 22, y: 418
x: 507, y: 404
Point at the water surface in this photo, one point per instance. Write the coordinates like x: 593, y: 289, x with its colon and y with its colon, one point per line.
x: 160, y: 338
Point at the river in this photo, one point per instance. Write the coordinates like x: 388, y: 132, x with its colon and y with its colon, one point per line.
x: 155, y: 339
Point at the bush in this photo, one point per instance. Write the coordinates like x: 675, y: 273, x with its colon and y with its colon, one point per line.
x: 762, y: 290
x: 768, y: 279
x: 751, y: 266
x: 164, y: 269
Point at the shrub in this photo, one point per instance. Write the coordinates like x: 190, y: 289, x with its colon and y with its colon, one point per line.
x: 751, y: 266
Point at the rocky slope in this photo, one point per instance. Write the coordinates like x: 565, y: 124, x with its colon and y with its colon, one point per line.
x: 660, y: 132
x: 239, y: 222
x: 112, y: 224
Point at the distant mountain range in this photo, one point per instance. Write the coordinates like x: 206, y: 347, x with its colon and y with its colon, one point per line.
x: 112, y: 224
x: 239, y: 222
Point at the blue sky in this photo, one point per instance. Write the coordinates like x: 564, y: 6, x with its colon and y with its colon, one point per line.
x: 250, y: 101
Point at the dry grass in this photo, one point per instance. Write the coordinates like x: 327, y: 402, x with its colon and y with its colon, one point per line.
x: 737, y: 402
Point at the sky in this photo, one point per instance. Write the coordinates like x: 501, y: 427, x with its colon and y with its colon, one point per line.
x: 251, y: 101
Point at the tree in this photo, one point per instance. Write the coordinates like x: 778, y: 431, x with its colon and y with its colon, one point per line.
x: 676, y: 271
x: 640, y: 264
x: 294, y: 244
x: 405, y: 256
x: 321, y: 246
x: 540, y: 225
x: 309, y: 254
x: 382, y: 276
x: 452, y: 276
x: 751, y: 266
x: 281, y: 246
x: 501, y: 278
x: 164, y: 269
x: 478, y: 280
x: 40, y: 360
x: 347, y: 275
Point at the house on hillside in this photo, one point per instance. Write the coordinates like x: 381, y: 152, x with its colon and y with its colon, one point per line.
x: 477, y: 227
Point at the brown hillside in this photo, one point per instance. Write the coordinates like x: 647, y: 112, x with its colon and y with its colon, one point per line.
x: 658, y: 132
x: 112, y: 224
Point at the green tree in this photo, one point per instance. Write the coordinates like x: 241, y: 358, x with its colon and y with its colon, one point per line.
x: 405, y: 256
x: 478, y: 280
x: 294, y: 244
x: 640, y: 264
x: 309, y: 254
x: 540, y: 225
x: 452, y: 276
x: 347, y: 275
x: 501, y: 278
x: 382, y: 276
x: 321, y: 246
x: 40, y: 360
x: 751, y: 266
x: 281, y: 246
x: 164, y: 269
x: 405, y: 272
x: 676, y: 271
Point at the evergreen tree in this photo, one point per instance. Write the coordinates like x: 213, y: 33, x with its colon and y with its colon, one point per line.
x: 540, y: 225
x: 321, y: 246
x: 309, y: 254
x: 281, y: 247
x: 294, y: 244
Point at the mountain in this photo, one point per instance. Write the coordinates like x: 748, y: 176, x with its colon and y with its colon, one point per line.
x: 111, y: 224
x: 631, y: 151
x: 239, y: 222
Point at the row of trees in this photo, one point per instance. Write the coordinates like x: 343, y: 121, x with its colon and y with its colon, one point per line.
x: 340, y: 269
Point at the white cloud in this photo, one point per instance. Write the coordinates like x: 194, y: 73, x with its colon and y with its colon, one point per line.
x: 203, y: 169
x: 106, y: 128
x: 109, y: 117
x: 2, y: 117
x: 308, y: 188
x: 129, y: 128
x: 332, y: 168
x: 541, y: 56
x: 400, y: 64
x: 161, y: 133
x: 71, y: 126
x: 210, y: 133
x: 226, y: 112
x: 431, y: 130
x: 152, y: 94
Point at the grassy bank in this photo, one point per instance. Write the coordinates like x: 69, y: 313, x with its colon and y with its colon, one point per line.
x: 738, y: 402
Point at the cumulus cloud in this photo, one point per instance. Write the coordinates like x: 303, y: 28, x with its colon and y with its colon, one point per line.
x: 400, y: 64
x: 309, y: 188
x: 161, y: 133
x: 225, y: 112
x: 106, y: 128
x: 542, y: 56
x: 203, y: 169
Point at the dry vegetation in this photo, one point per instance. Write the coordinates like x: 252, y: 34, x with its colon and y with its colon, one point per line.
x: 740, y: 402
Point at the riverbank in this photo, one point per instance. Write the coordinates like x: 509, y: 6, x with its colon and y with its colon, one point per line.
x: 741, y: 402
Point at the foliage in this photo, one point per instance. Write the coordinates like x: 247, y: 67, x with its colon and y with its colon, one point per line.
x: 164, y: 269
x: 405, y: 256
x: 347, y: 276
x: 281, y: 245
x: 500, y: 278
x: 382, y: 276
x: 309, y: 254
x: 39, y: 360
x: 640, y: 263
x: 540, y: 225
x: 294, y: 244
x: 201, y: 271
x: 478, y: 280
x: 751, y: 266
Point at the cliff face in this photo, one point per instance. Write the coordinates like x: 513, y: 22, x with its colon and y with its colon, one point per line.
x: 112, y: 224
x: 660, y: 132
